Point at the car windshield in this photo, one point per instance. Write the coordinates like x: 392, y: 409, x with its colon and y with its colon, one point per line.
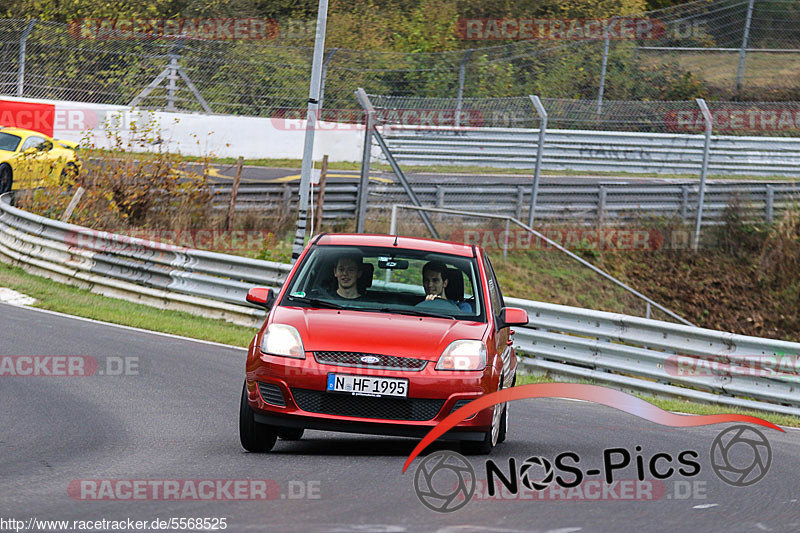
x: 388, y: 280
x: 9, y: 142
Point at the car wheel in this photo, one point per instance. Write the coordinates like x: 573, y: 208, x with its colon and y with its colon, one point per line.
x: 69, y: 174
x: 503, y: 425
x: 255, y: 437
x: 6, y: 178
x: 504, y: 421
x: 291, y: 433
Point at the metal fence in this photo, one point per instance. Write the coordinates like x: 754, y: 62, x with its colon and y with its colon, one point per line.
x: 611, y: 204
x: 746, y: 48
x: 624, y: 137
x: 621, y: 351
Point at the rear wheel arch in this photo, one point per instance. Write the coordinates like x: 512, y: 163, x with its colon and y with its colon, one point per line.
x: 6, y: 177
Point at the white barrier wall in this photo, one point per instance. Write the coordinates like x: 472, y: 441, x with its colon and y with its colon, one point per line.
x: 191, y: 134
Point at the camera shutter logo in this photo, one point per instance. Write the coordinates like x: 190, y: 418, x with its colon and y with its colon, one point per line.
x: 455, y: 485
x: 734, y: 463
x: 524, y: 473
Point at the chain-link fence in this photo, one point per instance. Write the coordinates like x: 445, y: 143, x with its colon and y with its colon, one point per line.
x: 489, y: 156
x: 744, y: 48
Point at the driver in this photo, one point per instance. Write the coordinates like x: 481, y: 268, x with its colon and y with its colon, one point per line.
x: 348, y: 270
x: 434, y: 280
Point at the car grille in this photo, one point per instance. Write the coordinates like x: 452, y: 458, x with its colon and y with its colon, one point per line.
x: 385, y: 362
x: 271, y: 394
x: 366, y: 407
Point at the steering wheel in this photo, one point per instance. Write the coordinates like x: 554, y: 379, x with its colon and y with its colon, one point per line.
x: 439, y: 304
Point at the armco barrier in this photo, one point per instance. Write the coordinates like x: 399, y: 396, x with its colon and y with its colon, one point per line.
x: 168, y: 276
x: 614, y: 349
x: 612, y: 203
x: 593, y: 151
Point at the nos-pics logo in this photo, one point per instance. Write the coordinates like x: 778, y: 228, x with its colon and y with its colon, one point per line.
x: 445, y: 481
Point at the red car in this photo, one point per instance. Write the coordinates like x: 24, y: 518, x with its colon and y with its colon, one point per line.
x: 382, y: 335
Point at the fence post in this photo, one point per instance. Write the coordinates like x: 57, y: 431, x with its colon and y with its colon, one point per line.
x: 743, y: 49
x: 461, y: 77
x: 172, y: 78
x: 704, y: 170
x: 327, y: 60
x: 363, y: 184
x: 505, y: 240
x: 312, y: 112
x: 23, y: 45
x: 520, y: 201
x: 604, y: 64
x: 601, y: 205
x: 770, y: 203
x: 323, y: 178
x: 684, y: 202
x: 539, y: 150
x: 234, y: 192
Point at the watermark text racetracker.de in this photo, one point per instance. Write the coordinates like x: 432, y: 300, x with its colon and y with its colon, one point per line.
x: 780, y: 365
x: 72, y: 366
x: 559, y: 29
x: 121, y: 524
x: 193, y: 490
x: 226, y: 29
x: 624, y: 238
x: 171, y: 240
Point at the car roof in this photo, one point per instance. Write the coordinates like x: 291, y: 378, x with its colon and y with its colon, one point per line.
x: 19, y: 131
x: 414, y: 243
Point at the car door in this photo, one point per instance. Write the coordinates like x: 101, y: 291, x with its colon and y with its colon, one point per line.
x: 31, y: 166
x: 501, y: 334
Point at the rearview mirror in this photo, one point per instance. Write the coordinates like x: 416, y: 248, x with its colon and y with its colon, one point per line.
x: 261, y: 296
x: 392, y: 263
x: 513, y: 316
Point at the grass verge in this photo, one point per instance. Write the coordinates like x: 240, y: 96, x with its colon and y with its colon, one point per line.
x: 680, y: 406
x: 81, y: 302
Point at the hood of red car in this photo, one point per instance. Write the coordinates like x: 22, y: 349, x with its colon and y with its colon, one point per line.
x: 378, y: 333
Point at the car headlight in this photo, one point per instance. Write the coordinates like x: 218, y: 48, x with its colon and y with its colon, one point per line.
x: 463, y: 355
x: 283, y: 340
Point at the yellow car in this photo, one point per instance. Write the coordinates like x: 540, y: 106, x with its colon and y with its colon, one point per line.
x: 31, y: 159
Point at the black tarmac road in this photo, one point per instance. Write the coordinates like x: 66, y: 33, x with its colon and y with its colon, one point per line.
x: 259, y: 174
x: 177, y: 420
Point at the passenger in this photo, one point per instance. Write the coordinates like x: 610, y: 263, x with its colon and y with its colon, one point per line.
x: 434, y: 280
x: 349, y: 268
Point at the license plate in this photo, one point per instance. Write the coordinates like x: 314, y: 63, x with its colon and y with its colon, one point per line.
x: 368, y: 386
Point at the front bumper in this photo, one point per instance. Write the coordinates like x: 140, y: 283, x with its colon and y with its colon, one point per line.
x: 293, y: 394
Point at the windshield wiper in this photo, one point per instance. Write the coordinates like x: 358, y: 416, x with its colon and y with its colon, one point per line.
x: 316, y: 301
x: 415, y: 312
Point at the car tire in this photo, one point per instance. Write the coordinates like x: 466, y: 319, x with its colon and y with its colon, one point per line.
x: 68, y: 174
x: 504, y: 421
x: 255, y: 437
x: 6, y: 178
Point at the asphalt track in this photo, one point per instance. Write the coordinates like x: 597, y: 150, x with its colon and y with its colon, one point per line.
x: 258, y: 174
x: 178, y: 420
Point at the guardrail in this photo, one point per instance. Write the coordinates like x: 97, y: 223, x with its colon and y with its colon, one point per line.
x: 592, y: 151
x: 618, y: 350
x: 164, y: 275
x: 660, y: 358
x: 604, y: 203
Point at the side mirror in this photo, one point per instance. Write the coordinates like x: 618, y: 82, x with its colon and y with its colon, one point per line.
x: 513, y: 316
x: 261, y: 296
